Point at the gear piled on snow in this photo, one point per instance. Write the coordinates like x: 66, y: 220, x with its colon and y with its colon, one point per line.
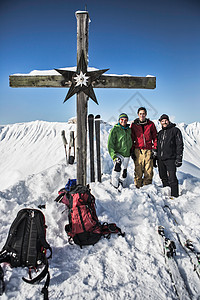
x: 26, y: 246
x: 84, y: 227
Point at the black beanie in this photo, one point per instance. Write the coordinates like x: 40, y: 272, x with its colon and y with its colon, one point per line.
x: 164, y: 116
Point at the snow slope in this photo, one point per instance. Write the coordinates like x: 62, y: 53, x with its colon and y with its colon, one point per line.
x: 33, y: 169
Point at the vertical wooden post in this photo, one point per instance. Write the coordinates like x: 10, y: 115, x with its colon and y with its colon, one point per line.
x: 82, y: 98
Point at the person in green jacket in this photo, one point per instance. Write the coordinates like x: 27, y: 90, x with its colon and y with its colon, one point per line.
x: 119, y: 148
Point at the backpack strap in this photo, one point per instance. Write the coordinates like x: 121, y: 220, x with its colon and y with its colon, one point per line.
x: 61, y: 192
x: 45, y: 288
x: 107, y: 229
x: 41, y: 235
x: 59, y: 198
x: 38, y: 278
x: 2, y: 283
x: 40, y: 223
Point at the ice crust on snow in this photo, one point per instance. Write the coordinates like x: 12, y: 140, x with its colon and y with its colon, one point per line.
x: 50, y: 72
x: 54, y: 72
x: 33, y: 169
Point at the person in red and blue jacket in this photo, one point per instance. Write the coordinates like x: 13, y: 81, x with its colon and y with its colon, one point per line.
x: 144, y: 150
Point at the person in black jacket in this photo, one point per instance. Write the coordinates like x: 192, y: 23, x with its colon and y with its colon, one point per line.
x: 170, y: 153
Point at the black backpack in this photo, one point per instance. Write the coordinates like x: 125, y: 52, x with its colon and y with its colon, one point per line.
x: 26, y: 246
x: 84, y: 227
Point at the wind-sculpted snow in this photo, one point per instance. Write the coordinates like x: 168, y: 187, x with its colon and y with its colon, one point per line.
x: 29, y: 148
x: 33, y: 169
x: 191, y: 135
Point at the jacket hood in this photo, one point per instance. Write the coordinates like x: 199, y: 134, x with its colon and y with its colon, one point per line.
x: 137, y: 121
x: 169, y: 126
x: 120, y: 126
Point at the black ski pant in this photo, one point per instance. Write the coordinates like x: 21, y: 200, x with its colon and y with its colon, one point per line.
x: 167, y: 173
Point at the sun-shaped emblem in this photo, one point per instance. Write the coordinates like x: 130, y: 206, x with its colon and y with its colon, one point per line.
x: 81, y: 79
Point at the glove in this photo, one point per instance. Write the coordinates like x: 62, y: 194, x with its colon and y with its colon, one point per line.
x: 154, y: 157
x: 155, y: 162
x: 124, y: 175
x: 154, y: 154
x: 178, y: 163
x: 118, y: 163
x: 133, y: 155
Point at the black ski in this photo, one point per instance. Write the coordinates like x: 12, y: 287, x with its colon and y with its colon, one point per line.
x: 91, y: 144
x: 97, y: 134
x: 71, y: 148
x: 64, y: 143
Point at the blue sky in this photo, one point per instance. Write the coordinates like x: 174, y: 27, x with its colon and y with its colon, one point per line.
x: 160, y: 38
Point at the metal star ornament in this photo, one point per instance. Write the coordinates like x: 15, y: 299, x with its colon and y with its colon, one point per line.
x: 81, y: 79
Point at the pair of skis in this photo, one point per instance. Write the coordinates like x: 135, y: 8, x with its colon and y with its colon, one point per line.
x: 179, y: 283
x: 169, y: 251
x: 70, y: 159
x: 187, y: 245
x: 91, y: 121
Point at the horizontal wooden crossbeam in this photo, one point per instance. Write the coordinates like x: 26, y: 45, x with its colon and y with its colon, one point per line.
x: 104, y: 81
x: 126, y: 82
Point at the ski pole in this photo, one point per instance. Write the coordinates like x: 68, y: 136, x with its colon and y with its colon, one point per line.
x: 71, y: 147
x: 64, y: 142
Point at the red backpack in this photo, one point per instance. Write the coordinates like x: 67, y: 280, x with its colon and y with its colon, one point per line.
x: 84, y: 227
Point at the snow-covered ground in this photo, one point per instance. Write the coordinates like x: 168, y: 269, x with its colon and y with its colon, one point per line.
x: 33, y: 169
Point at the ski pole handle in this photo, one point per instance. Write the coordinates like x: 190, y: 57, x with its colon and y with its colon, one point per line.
x: 63, y: 137
x: 64, y: 142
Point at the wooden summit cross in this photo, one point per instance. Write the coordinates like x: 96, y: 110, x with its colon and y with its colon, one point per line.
x: 82, y: 82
